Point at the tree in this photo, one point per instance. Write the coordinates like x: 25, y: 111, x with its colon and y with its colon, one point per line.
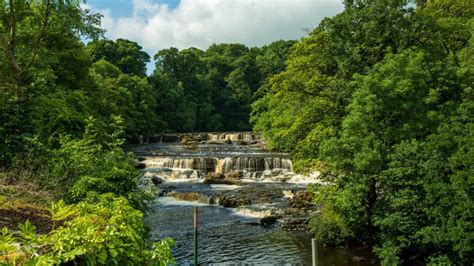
x: 124, y: 54
x: 21, y: 18
x: 36, y: 38
x: 131, y: 97
x: 379, y: 99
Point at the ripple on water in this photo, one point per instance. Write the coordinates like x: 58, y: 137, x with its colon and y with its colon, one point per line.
x: 227, y: 238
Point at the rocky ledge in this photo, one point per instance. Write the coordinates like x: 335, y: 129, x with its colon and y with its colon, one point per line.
x: 275, y: 204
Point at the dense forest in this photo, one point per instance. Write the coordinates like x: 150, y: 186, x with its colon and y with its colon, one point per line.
x: 190, y: 90
x: 378, y: 98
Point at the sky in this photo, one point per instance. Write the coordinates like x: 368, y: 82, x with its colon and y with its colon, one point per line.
x: 160, y: 24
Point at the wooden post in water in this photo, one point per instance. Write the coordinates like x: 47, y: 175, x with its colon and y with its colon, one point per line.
x: 195, y: 236
x: 314, y: 249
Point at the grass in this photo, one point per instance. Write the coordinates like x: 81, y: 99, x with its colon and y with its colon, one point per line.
x: 21, y: 201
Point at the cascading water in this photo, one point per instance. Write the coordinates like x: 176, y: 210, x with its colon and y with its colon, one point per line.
x: 245, y: 136
x: 249, y: 167
x: 182, y: 161
x: 214, y: 154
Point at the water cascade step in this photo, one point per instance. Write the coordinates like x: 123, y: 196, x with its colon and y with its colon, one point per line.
x: 249, y: 167
x: 195, y: 155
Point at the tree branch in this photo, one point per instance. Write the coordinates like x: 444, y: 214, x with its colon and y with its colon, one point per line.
x: 11, y: 44
x: 41, y: 35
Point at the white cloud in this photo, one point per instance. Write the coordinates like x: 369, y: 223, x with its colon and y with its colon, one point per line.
x: 199, y: 23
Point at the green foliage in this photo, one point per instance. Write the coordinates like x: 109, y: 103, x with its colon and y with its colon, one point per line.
x: 131, y: 97
x: 63, y: 125
x: 212, y: 90
x: 7, y: 241
x: 379, y: 99
x: 431, y: 183
x: 124, y: 54
x: 14, y: 127
x: 106, y: 230
x: 329, y: 227
x: 96, y: 164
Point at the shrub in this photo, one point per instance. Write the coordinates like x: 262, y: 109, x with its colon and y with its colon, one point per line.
x: 104, y: 230
x: 329, y: 227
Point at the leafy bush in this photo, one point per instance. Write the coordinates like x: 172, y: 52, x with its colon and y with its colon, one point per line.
x: 105, y: 230
x: 96, y: 164
x: 329, y: 227
x: 105, y: 225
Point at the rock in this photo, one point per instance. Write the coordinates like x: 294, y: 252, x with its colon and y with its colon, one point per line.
x: 234, y: 175
x: 233, y: 202
x: 183, y: 174
x: 301, y: 200
x: 187, y: 140
x: 193, y: 138
x: 187, y: 196
x: 192, y: 146
x: 211, y: 200
x: 213, y: 142
x: 295, y: 224
x: 141, y: 165
x: 213, y: 176
x: 165, y: 190
x: 156, y: 180
x: 217, y: 178
x: 268, y: 220
x: 252, y: 223
x: 281, y: 179
x: 221, y: 182
x: 357, y: 258
x: 228, y: 141
x: 288, y: 194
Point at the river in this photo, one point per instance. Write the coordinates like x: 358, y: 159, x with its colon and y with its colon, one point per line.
x: 252, y: 183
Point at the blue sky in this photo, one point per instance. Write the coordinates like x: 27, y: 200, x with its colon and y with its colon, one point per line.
x: 123, y: 8
x: 161, y: 24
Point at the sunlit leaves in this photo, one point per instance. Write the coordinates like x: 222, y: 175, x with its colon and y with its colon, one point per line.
x: 103, y: 230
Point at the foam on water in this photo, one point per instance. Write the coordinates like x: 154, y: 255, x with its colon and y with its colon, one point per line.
x: 170, y: 201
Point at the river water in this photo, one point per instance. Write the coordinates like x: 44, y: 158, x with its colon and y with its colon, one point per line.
x: 226, y: 236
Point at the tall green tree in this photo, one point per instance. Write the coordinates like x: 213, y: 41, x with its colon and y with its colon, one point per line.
x: 131, y: 97
x: 127, y: 55
x: 36, y: 37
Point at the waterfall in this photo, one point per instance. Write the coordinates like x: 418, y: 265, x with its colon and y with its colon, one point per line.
x: 196, y: 167
x: 244, y: 136
x: 251, y: 164
x: 195, y: 155
x: 222, y: 164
